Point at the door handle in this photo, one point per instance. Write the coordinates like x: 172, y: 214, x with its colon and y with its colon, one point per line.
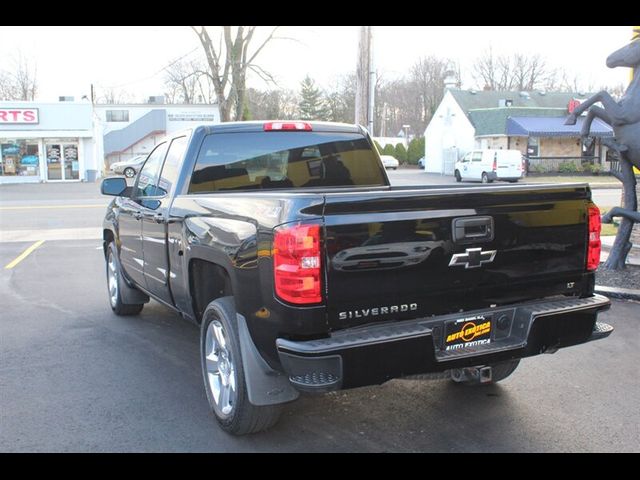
x: 137, y: 215
x: 158, y: 218
x: 472, y: 229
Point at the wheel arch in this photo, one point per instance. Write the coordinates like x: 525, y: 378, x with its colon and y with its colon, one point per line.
x: 208, y: 281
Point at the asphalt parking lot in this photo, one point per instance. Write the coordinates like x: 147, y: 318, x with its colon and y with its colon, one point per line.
x: 74, y: 377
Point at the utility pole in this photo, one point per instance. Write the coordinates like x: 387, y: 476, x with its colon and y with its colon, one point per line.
x: 365, y: 80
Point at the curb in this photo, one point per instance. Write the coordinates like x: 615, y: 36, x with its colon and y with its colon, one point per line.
x: 622, y: 293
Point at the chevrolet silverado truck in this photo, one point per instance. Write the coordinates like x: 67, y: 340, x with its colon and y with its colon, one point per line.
x: 308, y: 272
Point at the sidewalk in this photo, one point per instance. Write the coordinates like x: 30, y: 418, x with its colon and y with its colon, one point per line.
x: 594, y: 181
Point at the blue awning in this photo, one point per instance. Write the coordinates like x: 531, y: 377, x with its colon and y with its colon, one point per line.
x: 553, y: 127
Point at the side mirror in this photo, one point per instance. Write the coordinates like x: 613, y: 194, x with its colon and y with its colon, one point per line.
x: 113, y: 186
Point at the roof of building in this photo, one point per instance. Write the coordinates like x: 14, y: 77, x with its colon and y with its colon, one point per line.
x: 553, y: 127
x: 475, y: 99
x: 493, y: 121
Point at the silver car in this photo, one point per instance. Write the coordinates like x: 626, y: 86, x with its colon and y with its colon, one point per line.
x: 129, y: 168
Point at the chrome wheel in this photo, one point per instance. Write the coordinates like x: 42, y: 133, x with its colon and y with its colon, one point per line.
x: 220, y: 371
x: 129, y: 172
x: 112, y: 280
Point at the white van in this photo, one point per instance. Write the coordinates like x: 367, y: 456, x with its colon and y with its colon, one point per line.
x: 488, y: 165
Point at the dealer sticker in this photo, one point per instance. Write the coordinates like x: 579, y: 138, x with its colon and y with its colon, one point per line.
x: 468, y: 332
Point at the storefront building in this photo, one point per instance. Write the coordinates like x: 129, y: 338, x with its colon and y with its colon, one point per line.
x: 47, y: 142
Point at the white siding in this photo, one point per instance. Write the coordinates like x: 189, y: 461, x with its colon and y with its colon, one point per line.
x: 448, y: 128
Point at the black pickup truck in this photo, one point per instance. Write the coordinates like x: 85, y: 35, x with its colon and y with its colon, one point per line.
x: 308, y: 272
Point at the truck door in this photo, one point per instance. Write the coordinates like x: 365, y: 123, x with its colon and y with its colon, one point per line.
x: 143, y: 189
x: 155, y: 211
x: 130, y: 218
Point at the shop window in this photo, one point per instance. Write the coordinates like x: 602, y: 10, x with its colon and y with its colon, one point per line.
x: 19, y: 158
x: 117, y: 115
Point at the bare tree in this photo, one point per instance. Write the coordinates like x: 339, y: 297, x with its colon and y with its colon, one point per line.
x: 19, y: 83
x: 186, y: 81
x: 340, y: 99
x: 228, y: 61
x: 114, y: 96
x: 273, y: 104
x: 427, y: 76
x: 512, y: 72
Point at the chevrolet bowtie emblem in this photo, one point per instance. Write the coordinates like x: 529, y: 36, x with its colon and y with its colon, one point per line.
x: 472, y: 258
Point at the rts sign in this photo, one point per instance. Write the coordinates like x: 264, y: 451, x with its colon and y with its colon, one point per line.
x: 18, y: 115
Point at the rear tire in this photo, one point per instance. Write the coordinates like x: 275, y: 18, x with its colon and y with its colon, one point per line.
x: 129, y: 172
x: 115, y: 284
x: 499, y: 371
x: 223, y: 373
x: 484, y: 178
x: 458, y: 177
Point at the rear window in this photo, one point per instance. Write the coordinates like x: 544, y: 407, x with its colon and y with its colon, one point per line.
x: 272, y: 160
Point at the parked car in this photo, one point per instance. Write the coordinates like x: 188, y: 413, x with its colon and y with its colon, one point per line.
x: 421, y: 162
x: 129, y: 168
x: 319, y: 281
x: 488, y: 165
x: 389, y: 162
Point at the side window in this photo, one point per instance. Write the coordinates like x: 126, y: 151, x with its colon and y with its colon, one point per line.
x: 477, y: 157
x: 467, y: 157
x: 171, y: 168
x: 148, y: 177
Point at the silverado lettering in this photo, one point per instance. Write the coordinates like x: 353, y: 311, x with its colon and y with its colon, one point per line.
x: 365, y: 312
x: 268, y: 235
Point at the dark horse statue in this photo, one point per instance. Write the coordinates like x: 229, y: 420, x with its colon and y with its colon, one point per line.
x: 624, y: 118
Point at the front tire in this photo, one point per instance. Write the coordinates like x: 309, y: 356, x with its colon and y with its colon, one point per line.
x: 458, y: 176
x: 115, y: 284
x: 223, y: 373
x: 129, y: 172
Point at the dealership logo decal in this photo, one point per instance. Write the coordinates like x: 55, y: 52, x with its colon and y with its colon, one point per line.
x: 472, y: 258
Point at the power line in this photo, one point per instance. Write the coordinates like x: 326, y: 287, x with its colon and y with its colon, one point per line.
x: 152, y: 75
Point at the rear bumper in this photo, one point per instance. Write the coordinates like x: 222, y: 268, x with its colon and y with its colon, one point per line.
x: 372, y: 355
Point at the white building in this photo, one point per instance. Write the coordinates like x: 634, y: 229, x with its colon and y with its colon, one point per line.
x: 134, y: 129
x: 448, y: 135
x: 75, y: 141
x: 532, y: 122
x: 47, y: 142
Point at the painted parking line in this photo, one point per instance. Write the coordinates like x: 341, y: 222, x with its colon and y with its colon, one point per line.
x: 34, y: 207
x: 83, y: 233
x: 23, y: 255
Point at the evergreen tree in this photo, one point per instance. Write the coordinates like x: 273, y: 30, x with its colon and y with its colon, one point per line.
x: 378, y: 146
x: 388, y: 150
x: 312, y: 105
x: 416, y: 150
x: 401, y: 153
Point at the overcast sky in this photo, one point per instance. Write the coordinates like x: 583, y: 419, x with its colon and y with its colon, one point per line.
x: 69, y: 59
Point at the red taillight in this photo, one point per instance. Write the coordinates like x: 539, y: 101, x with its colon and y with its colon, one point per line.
x: 495, y: 165
x: 593, y: 250
x: 296, y: 263
x: 289, y: 126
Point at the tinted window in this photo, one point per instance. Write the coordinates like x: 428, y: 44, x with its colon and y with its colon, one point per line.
x: 477, y: 157
x: 147, y: 185
x: 171, y: 168
x: 271, y: 160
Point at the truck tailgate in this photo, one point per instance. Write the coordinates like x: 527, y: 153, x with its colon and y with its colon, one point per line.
x: 404, y: 253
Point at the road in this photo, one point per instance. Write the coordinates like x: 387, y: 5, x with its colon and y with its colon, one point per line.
x: 74, y: 377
